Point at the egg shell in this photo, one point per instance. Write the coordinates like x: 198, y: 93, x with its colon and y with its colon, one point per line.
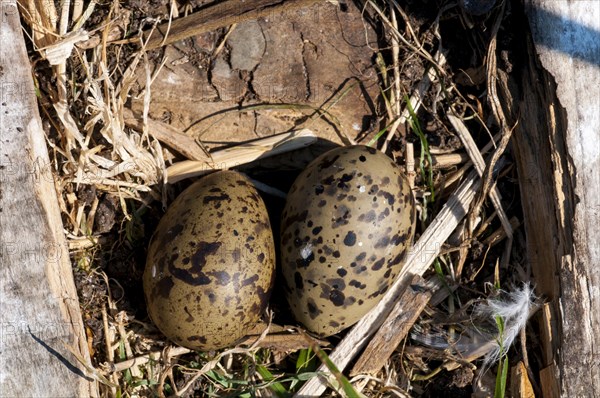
x: 210, y: 264
x: 346, y: 227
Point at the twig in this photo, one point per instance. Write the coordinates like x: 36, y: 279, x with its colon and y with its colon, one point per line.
x: 504, y: 129
x: 141, y: 360
x: 479, y: 163
x: 242, y: 153
x: 220, y: 15
x: 395, y: 328
x: 416, y: 99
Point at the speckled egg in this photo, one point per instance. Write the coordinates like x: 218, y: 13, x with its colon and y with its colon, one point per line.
x: 210, y: 264
x: 346, y: 227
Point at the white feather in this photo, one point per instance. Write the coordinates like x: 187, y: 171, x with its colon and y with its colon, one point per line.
x: 514, y: 308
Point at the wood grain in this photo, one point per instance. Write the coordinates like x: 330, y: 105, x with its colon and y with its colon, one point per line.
x: 224, y: 13
x: 558, y: 153
x: 397, y: 325
x: 39, y: 309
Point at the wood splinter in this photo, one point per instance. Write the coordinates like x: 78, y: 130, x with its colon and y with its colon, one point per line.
x: 397, y: 325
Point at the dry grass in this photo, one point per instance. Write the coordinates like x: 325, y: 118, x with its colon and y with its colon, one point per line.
x: 83, y: 99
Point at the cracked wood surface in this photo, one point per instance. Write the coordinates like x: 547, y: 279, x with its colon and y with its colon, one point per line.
x: 39, y: 310
x: 558, y: 153
x: 270, y: 75
x: 219, y: 15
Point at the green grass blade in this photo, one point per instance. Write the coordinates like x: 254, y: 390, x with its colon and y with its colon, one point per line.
x: 501, y: 376
x: 347, y: 388
x: 275, y: 386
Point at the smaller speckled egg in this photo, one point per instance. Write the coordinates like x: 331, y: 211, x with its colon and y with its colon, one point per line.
x: 346, y: 227
x: 210, y: 264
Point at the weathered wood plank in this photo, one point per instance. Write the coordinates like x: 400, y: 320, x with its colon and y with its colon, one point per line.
x: 395, y: 328
x: 558, y: 147
x: 39, y: 310
x: 219, y: 15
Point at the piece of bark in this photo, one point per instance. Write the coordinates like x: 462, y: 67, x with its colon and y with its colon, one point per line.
x: 520, y: 386
x: 219, y: 15
x: 558, y: 160
x: 397, y: 325
x: 168, y: 135
x: 39, y: 310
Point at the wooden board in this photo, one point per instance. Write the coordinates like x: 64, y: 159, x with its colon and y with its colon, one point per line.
x: 558, y: 147
x: 39, y: 310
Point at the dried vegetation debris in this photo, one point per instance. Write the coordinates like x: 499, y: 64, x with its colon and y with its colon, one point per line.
x: 348, y: 71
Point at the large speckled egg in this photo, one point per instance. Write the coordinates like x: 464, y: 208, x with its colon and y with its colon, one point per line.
x: 210, y: 264
x: 346, y: 227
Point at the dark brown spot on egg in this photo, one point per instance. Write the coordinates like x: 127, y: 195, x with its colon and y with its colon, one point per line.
x: 327, y: 162
x: 390, y: 198
x: 293, y: 219
x: 382, y: 242
x: 298, y: 281
x: 362, y: 158
x: 367, y: 217
x: 260, y: 227
x: 344, y: 179
x: 313, y: 310
x: 200, y: 339
x: 337, y: 297
x: 341, y: 272
x: 236, y: 255
x: 378, y: 264
x: 399, y: 239
x: 357, y: 284
x: 305, y: 262
x: 222, y: 278
x: 263, y: 295
x: 383, y: 214
x: 194, y: 275
x: 215, y: 198
x: 261, y: 258
x: 211, y: 296
x: 172, y: 233
x: 322, y: 203
x: 190, y: 318
x: 336, y: 283
x: 350, y: 239
x: 250, y: 281
x: 163, y: 287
